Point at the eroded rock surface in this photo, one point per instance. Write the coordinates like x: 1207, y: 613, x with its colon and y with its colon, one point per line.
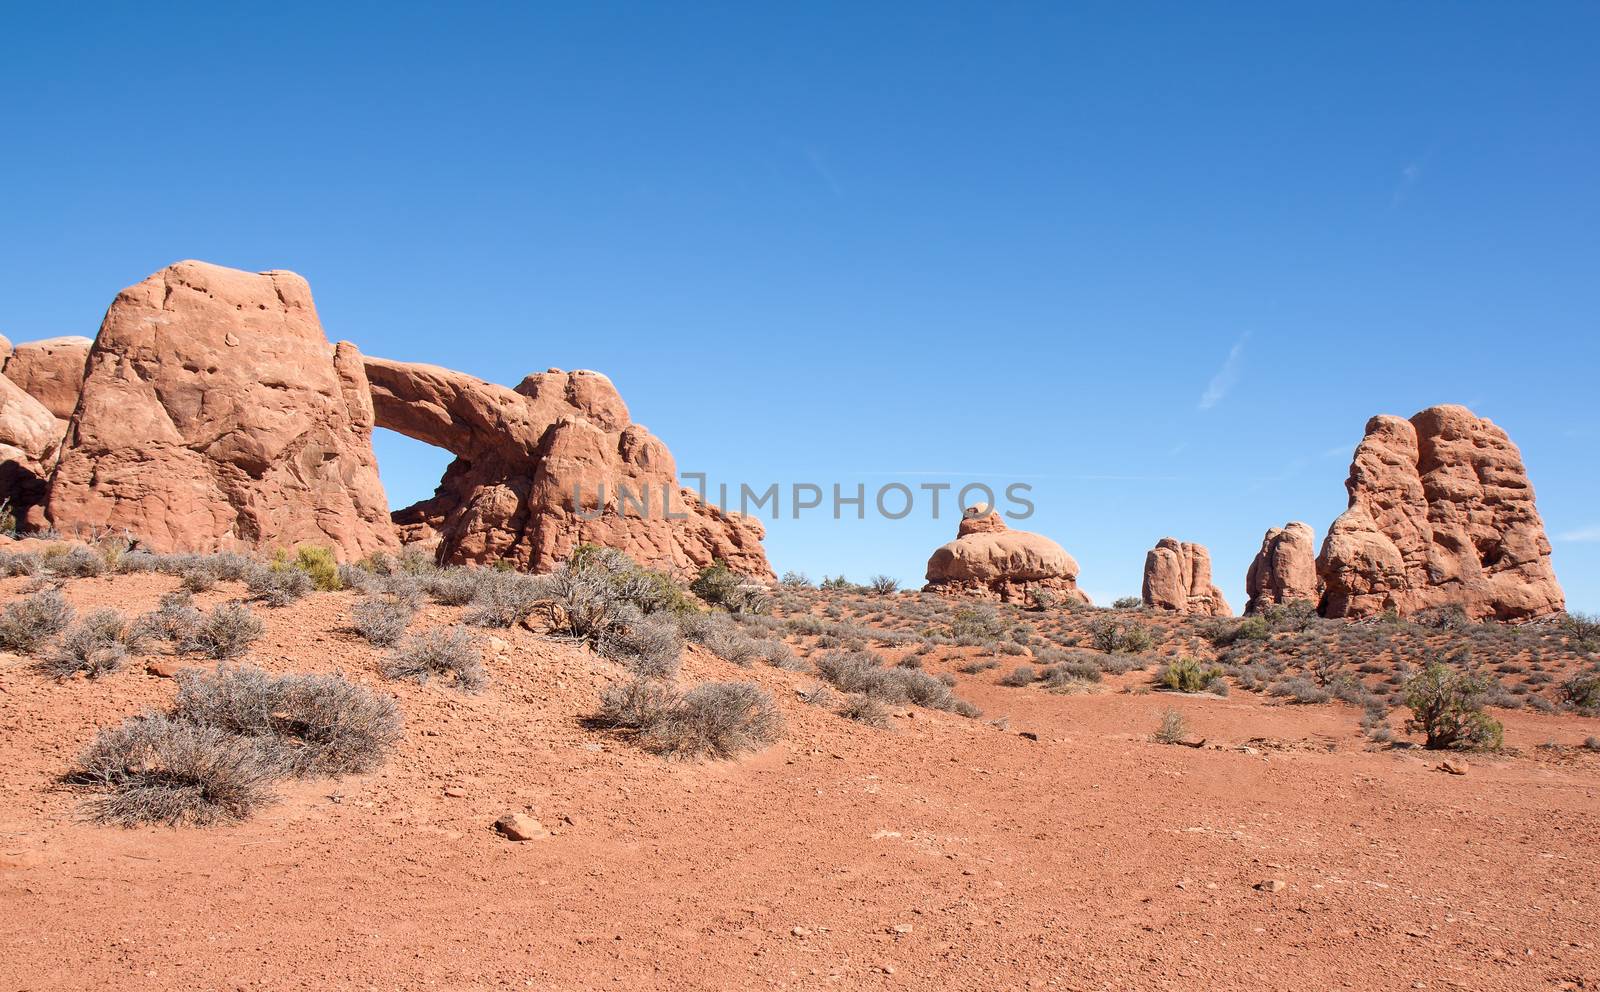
x: 1177, y: 576
x: 1441, y: 514
x: 987, y: 558
x: 51, y: 371
x: 546, y: 466
x: 215, y: 414
x: 1284, y: 570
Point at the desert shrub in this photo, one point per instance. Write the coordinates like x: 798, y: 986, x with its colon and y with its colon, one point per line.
x: 731, y: 644
x: 838, y: 583
x: 883, y: 585
x: 444, y: 652
x: 1127, y: 603
x: 780, y: 655
x: 26, y: 624
x: 866, y: 710
x: 1447, y: 708
x: 1173, y: 729
x: 1188, y: 675
x: 1451, y: 617
x: 1020, y: 676
x: 26, y: 563
x: 720, y: 585
x: 173, y: 618
x: 278, y: 586
x: 1582, y: 630
x: 650, y: 645
x: 975, y: 624
x: 198, y: 580
x: 305, y: 724
x: 506, y: 599
x: 96, y: 645
x: 858, y: 672
x: 1039, y: 599
x: 712, y: 720
x: 1295, y: 615
x: 1116, y: 637
x: 979, y: 665
x: 1223, y: 633
x: 1300, y: 690
x: 381, y: 621
x: 226, y: 632
x: 1070, y: 673
x: 74, y: 562
x: 319, y: 563
x: 154, y: 769
x: 1583, y: 690
x: 455, y: 586
x: 795, y: 580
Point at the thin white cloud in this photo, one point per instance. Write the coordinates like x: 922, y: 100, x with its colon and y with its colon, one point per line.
x: 1226, y: 377
x: 1581, y: 535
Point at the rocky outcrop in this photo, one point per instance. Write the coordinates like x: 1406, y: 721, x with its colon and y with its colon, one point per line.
x: 1177, y: 576
x: 29, y: 439
x: 1441, y: 514
x: 989, y: 559
x: 1284, y: 570
x: 546, y: 466
x: 215, y: 414
x: 51, y: 371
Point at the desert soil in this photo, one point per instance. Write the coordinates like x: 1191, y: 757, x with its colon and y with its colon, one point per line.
x: 943, y: 853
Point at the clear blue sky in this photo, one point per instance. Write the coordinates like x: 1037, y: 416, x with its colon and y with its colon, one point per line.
x: 853, y: 242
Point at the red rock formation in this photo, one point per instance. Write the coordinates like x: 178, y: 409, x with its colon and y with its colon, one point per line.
x: 215, y: 414
x: 1284, y: 570
x: 1177, y: 576
x: 532, y: 464
x: 991, y: 560
x: 1441, y: 514
x: 51, y: 371
x: 29, y: 439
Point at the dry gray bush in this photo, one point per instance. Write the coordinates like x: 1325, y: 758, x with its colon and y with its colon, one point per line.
x: 650, y: 645
x: 154, y: 769
x: 711, y: 720
x: 305, y: 724
x: 26, y: 624
x: 381, y: 621
x: 866, y: 710
x: 504, y: 599
x: 442, y: 652
x: 226, y: 632
x: 96, y: 645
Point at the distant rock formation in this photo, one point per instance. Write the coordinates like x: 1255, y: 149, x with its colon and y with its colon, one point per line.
x: 1284, y: 570
x: 554, y: 463
x: 1177, y: 576
x: 989, y: 559
x: 1441, y: 514
x: 215, y: 414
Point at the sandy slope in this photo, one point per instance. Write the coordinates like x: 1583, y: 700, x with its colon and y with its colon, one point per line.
x: 942, y: 854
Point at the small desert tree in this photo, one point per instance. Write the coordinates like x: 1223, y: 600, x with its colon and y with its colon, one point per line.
x: 1447, y: 707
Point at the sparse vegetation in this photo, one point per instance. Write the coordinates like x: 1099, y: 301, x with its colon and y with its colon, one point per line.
x: 441, y: 652
x: 305, y: 724
x: 28, y: 623
x: 711, y: 720
x: 1188, y: 675
x: 94, y: 646
x: 381, y: 620
x: 155, y: 769
x: 1173, y: 729
x: 226, y: 632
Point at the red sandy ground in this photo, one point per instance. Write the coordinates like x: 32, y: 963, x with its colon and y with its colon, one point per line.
x: 941, y: 854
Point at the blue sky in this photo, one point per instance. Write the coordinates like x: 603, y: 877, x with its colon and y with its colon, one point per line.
x: 1159, y: 261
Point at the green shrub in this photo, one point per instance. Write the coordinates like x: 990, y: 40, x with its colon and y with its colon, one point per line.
x: 1118, y: 637
x: 1188, y: 675
x: 1173, y: 729
x: 1447, y: 707
x: 1127, y: 603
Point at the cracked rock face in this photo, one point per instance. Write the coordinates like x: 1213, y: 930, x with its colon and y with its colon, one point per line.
x: 1177, y: 577
x: 989, y: 559
x: 1441, y: 514
x: 1284, y: 570
x: 532, y: 464
x: 214, y: 415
